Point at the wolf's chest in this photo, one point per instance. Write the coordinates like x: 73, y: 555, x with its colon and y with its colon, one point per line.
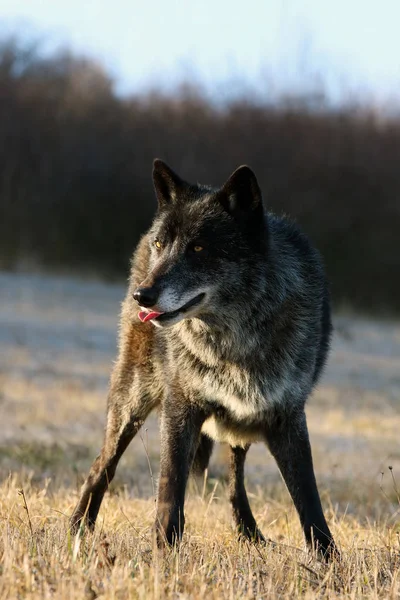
x: 244, y: 388
x: 238, y: 395
x: 225, y: 384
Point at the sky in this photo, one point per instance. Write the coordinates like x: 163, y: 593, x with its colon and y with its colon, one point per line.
x: 275, y: 45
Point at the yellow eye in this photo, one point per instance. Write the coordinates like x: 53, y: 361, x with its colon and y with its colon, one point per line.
x: 158, y: 244
x: 198, y: 248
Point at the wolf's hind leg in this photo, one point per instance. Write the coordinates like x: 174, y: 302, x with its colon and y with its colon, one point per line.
x: 244, y: 519
x: 123, y: 422
x: 203, y: 454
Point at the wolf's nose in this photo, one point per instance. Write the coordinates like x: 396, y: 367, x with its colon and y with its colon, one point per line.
x: 146, y: 296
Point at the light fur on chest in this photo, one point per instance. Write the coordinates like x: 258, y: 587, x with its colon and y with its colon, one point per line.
x: 247, y: 410
x: 247, y: 399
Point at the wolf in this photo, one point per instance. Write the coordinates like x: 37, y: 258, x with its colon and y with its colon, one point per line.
x: 225, y: 328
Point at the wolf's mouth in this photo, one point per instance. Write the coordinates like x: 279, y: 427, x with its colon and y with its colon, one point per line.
x: 161, y: 317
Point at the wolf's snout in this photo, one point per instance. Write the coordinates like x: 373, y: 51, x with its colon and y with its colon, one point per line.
x: 146, y: 296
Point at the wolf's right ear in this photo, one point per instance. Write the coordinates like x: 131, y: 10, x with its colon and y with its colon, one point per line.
x: 167, y: 183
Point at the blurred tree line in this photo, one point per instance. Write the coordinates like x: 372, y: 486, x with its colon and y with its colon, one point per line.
x: 75, y: 179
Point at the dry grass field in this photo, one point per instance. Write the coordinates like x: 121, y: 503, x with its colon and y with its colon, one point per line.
x: 57, y: 344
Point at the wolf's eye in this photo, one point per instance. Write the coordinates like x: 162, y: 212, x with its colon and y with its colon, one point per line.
x: 198, y: 248
x: 158, y: 244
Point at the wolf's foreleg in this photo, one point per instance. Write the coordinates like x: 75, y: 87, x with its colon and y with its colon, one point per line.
x: 180, y: 429
x: 288, y: 441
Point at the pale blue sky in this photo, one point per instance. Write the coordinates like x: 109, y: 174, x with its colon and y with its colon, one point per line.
x: 350, y: 44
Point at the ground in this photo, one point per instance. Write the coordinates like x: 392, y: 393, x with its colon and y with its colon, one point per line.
x: 58, y: 342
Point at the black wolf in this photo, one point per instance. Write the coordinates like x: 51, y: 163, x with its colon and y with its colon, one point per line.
x: 225, y: 327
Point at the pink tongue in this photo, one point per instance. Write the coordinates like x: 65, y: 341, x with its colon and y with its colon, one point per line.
x: 145, y: 316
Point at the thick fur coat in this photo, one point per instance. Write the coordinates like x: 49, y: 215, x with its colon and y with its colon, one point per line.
x: 225, y: 327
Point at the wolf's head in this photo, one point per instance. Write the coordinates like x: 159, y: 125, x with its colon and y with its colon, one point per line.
x: 205, y: 247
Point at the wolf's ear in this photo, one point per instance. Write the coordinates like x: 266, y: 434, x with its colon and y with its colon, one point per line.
x: 241, y: 193
x: 167, y: 183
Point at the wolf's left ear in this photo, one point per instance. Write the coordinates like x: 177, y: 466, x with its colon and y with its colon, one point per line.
x: 167, y: 183
x: 241, y: 193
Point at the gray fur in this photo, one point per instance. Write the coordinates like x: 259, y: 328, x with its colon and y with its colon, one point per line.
x: 236, y: 364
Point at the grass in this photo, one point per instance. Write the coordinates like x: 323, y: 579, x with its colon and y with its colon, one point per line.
x: 40, y: 559
x: 53, y: 374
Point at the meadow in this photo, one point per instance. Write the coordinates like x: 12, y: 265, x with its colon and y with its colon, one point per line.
x: 58, y: 342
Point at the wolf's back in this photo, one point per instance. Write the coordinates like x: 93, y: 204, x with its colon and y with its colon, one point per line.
x: 303, y: 264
